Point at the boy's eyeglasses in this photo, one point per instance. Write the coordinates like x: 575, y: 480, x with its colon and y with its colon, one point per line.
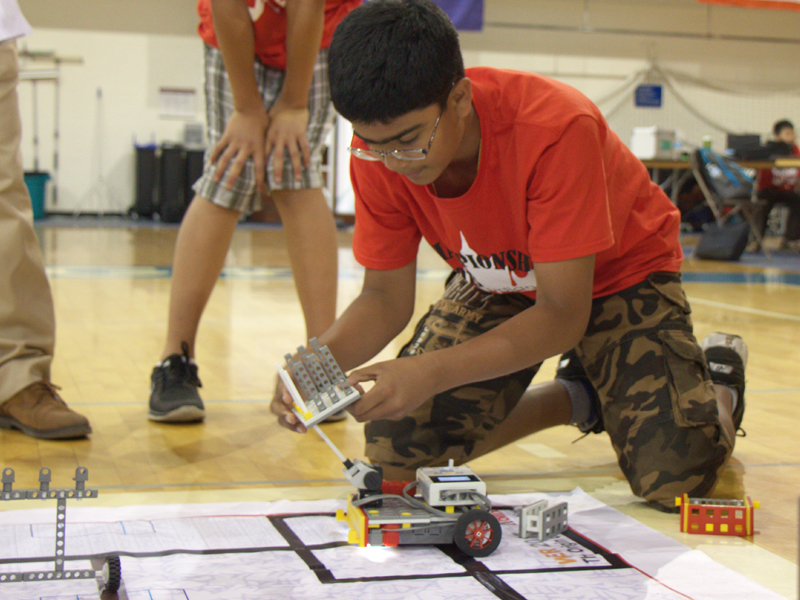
x: 415, y: 154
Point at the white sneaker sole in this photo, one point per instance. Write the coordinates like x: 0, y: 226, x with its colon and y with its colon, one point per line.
x: 726, y: 340
x: 184, y: 414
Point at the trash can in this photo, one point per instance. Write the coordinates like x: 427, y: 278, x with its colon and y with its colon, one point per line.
x: 194, y: 169
x: 171, y: 174
x: 144, y: 204
x: 37, y: 182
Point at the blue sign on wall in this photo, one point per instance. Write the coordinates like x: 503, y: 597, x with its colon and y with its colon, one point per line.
x: 648, y: 96
x: 466, y: 15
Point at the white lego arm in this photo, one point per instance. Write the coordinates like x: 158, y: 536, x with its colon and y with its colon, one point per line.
x: 289, y: 383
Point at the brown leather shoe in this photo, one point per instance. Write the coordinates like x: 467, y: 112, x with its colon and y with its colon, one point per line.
x: 38, y: 411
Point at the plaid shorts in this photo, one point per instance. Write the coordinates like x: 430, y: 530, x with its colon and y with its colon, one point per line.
x: 219, y: 107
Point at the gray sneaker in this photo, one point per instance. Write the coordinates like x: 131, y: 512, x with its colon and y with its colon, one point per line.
x: 173, y: 390
x: 571, y: 369
x: 726, y: 354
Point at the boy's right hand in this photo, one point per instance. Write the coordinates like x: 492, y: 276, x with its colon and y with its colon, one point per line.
x: 281, y: 406
x: 244, y: 136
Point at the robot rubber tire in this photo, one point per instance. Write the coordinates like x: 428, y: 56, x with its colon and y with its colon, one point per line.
x: 477, y: 533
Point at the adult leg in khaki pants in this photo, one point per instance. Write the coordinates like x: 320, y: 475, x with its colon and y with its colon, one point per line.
x: 28, y: 401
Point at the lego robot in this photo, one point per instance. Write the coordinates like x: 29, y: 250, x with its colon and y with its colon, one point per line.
x: 450, y: 507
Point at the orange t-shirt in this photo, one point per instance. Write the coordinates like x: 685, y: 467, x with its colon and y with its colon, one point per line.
x: 553, y: 183
x: 269, y: 25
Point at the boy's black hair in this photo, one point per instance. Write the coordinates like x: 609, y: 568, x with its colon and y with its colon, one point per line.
x: 389, y: 57
x: 781, y: 125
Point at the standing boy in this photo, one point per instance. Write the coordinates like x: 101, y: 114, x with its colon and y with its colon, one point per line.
x: 558, y: 240
x: 269, y: 111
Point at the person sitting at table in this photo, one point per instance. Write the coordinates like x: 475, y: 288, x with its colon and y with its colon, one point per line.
x: 781, y: 186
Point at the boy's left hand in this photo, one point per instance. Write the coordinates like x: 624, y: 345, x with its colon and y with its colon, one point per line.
x: 287, y: 131
x: 401, y: 385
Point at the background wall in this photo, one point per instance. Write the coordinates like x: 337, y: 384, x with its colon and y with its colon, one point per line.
x: 107, y: 102
x: 724, y: 69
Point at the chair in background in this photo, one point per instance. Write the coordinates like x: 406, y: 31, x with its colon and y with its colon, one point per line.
x: 729, y: 191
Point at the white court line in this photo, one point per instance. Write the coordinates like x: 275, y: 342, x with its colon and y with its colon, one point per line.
x: 745, y: 309
x: 541, y: 450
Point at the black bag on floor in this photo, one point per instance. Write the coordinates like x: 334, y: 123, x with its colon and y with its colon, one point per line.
x: 723, y: 243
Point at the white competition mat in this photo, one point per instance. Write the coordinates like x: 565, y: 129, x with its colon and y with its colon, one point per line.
x: 297, y: 550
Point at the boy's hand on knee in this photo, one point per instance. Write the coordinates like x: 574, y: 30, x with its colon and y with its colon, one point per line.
x: 287, y: 132
x: 244, y: 137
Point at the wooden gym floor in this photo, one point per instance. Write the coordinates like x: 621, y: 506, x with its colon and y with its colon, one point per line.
x: 111, y: 288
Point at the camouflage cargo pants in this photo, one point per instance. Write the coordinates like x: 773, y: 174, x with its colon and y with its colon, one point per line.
x: 658, y: 402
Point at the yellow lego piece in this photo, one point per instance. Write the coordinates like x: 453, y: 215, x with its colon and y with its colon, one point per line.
x: 306, y: 414
x: 449, y: 509
x: 709, y: 527
x: 340, y: 515
x: 358, y: 523
x: 723, y: 528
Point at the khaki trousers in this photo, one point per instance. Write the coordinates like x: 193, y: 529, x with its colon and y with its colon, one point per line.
x: 27, y: 322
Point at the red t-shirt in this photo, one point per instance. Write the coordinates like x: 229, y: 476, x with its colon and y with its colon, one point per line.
x: 553, y: 183
x: 780, y: 179
x: 269, y: 25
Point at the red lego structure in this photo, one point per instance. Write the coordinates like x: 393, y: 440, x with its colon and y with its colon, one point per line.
x: 716, y: 517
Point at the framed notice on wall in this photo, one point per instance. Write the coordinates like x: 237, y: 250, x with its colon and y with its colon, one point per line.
x: 177, y: 103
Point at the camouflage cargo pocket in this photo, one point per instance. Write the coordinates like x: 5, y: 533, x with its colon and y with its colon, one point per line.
x: 693, y: 400
x: 668, y: 286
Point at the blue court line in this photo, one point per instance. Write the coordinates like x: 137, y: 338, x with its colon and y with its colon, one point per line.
x: 784, y: 278
x: 266, y: 273
x: 266, y: 401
